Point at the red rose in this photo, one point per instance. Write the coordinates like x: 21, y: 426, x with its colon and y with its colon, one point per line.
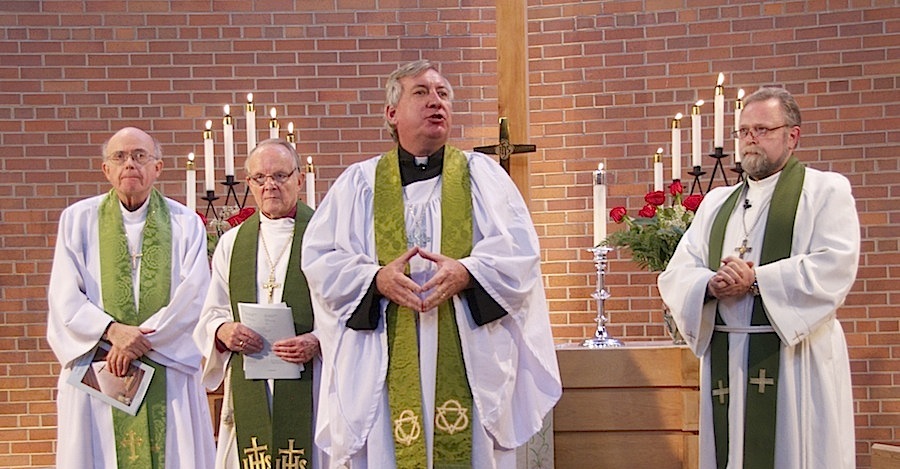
x: 655, y: 198
x: 649, y: 211
x: 676, y: 188
x: 203, y: 218
x: 692, y: 201
x: 617, y: 214
x: 244, y: 214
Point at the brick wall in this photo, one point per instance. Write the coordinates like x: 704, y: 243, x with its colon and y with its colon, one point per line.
x: 605, y: 78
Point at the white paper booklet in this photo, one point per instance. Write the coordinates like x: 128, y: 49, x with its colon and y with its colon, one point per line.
x: 91, y: 374
x: 273, y: 322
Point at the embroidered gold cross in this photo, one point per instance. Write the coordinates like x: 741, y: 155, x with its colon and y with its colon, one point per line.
x: 290, y: 458
x: 743, y: 249
x: 132, y: 442
x: 720, y: 392
x: 762, y: 381
x: 256, y: 455
x: 270, y: 286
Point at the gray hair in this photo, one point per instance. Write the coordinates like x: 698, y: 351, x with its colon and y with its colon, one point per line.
x: 393, y: 89
x: 273, y: 141
x: 789, y: 106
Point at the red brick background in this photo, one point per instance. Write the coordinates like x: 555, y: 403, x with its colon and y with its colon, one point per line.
x: 605, y: 78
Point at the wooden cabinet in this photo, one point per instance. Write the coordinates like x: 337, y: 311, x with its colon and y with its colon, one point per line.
x: 627, y: 407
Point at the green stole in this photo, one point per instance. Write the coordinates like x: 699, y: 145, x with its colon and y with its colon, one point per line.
x: 140, y: 439
x: 286, y: 433
x: 453, y: 400
x: 764, y: 348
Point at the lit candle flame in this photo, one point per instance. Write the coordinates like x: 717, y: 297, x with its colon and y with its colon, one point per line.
x: 741, y: 93
x: 208, y: 125
x: 721, y: 79
x: 290, y: 127
x: 678, y: 116
x: 273, y: 112
x: 249, y: 97
x: 699, y: 103
x: 227, y: 109
x: 191, y: 157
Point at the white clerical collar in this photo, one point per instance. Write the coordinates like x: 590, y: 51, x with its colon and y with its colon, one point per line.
x: 275, y: 222
x: 764, y: 184
x: 136, y: 216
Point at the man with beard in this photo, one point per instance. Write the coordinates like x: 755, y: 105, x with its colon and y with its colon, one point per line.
x: 754, y: 287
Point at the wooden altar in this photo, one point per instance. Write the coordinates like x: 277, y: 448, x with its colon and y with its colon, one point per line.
x: 631, y: 406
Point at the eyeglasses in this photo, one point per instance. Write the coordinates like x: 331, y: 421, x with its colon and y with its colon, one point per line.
x: 756, y: 132
x: 139, y: 156
x: 279, y: 178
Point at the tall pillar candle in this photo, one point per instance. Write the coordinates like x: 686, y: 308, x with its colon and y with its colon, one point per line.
x: 738, y: 106
x: 273, y: 123
x: 228, y: 130
x: 190, y: 193
x: 290, y: 135
x: 719, y: 114
x: 599, y: 179
x: 310, y: 183
x: 676, y: 147
x: 696, y: 159
x: 208, y: 159
x: 658, y: 170
x: 251, y: 123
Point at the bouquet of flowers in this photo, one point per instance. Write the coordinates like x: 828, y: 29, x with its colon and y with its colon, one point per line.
x: 653, y: 237
x: 230, y: 217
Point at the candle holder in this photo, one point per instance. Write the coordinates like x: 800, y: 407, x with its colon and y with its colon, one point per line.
x: 718, y: 155
x: 739, y: 170
x: 601, y: 337
x: 697, y: 172
x: 220, y: 215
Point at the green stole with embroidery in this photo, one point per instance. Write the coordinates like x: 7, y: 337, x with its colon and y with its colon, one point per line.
x: 140, y: 439
x: 453, y: 399
x: 764, y: 348
x: 286, y: 434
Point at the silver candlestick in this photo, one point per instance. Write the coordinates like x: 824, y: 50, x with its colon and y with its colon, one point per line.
x: 601, y: 338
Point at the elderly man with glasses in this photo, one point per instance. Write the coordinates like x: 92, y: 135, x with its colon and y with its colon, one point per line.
x: 259, y: 263
x: 129, y: 270
x: 754, y: 287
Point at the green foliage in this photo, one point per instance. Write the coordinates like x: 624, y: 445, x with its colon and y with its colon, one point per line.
x: 652, y: 241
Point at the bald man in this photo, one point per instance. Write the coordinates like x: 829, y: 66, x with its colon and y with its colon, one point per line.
x: 130, y: 270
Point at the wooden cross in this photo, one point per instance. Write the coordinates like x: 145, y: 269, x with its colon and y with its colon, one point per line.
x: 743, y: 249
x: 270, y: 286
x: 762, y: 381
x: 720, y: 392
x: 504, y: 149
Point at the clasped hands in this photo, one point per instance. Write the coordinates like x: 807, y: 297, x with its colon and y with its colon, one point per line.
x: 451, y: 278
x: 239, y: 338
x: 733, y: 279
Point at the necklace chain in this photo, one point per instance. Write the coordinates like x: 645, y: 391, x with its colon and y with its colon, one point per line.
x: 744, y: 248
x: 270, y: 284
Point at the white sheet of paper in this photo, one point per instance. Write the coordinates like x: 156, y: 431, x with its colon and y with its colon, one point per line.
x: 273, y: 322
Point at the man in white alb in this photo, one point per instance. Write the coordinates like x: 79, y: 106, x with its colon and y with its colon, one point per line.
x: 435, y: 333
x: 754, y: 287
x: 258, y: 262
x: 130, y: 268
